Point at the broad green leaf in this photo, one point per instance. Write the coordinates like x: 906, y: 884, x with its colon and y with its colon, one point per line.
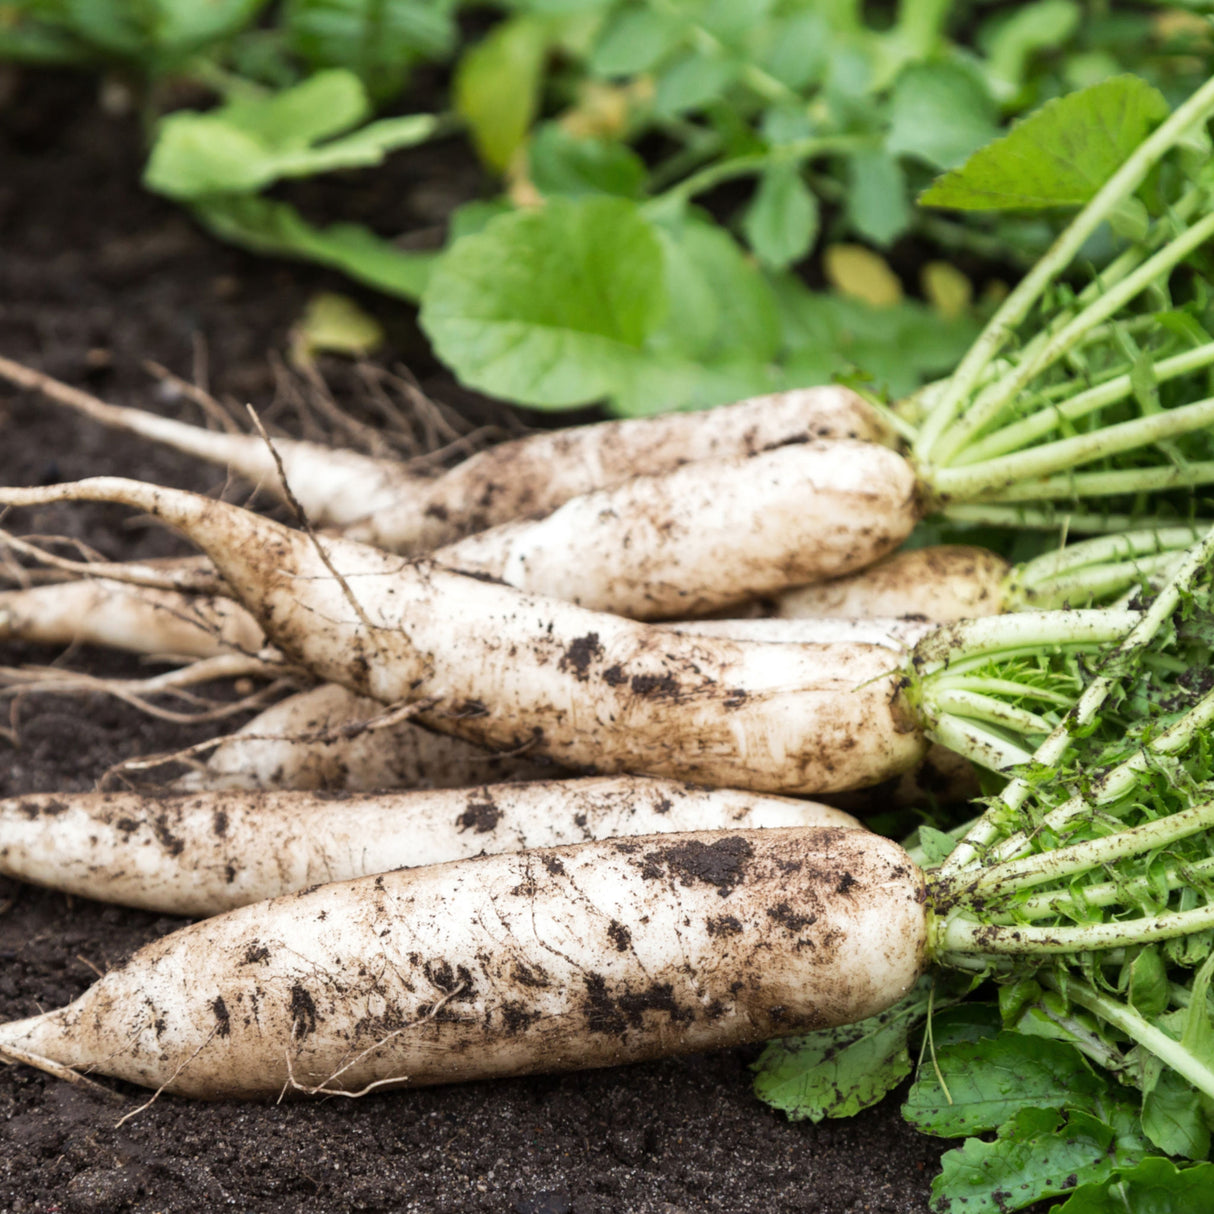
x: 24, y: 38
x: 796, y: 48
x: 634, y: 40
x: 936, y: 845
x: 876, y: 197
x: 319, y: 107
x: 1146, y: 975
x: 661, y: 382
x: 497, y: 87
x: 1036, y: 1155
x: 472, y: 217
x: 1060, y: 155
x: 245, y: 146
x: 940, y: 113
x: 838, y: 1072
x: 378, y: 40
x: 781, y: 222
x: 731, y: 21
x: 988, y: 1081
x: 561, y: 163
x: 1154, y: 1186
x: 1173, y: 1118
x: 549, y: 307
x: 722, y: 306
x: 690, y: 81
x: 276, y: 228
x: 719, y: 344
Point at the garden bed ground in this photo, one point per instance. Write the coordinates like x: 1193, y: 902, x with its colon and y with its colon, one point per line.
x: 95, y: 277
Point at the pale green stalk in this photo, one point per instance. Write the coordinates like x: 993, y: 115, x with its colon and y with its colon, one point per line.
x: 1020, y: 301
x: 1089, y: 703
x: 973, y: 480
x: 1074, y: 485
x: 994, y: 398
x: 1040, y: 867
x: 978, y: 707
x: 973, y: 939
x: 1152, y: 1039
x: 1017, y: 435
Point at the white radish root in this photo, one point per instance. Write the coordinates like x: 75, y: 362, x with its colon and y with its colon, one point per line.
x: 708, y: 534
x: 392, y: 507
x: 894, y: 633
x: 507, y: 670
x: 944, y: 583
x: 594, y: 955
x: 333, y: 739
x: 201, y: 855
x: 132, y: 618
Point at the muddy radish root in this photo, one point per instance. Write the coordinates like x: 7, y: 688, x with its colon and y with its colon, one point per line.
x: 592, y: 955
x: 508, y: 671
x: 708, y: 534
x: 395, y: 508
x: 201, y: 855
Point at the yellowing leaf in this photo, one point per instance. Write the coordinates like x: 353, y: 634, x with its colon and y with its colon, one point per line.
x: 862, y: 274
x: 333, y: 324
x: 497, y: 85
x: 946, y: 288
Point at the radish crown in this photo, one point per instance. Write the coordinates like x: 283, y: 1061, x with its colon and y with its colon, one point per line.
x: 1100, y: 391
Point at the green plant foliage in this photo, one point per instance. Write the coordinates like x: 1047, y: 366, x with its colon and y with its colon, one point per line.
x: 157, y: 33
x: 552, y: 307
x: 277, y: 228
x: 1155, y: 1186
x: 247, y: 144
x: 839, y: 1072
x: 1060, y: 156
x: 497, y: 87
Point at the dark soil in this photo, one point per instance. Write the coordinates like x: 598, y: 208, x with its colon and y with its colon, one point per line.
x: 95, y: 278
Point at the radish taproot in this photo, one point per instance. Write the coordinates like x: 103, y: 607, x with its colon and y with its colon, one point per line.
x: 188, y: 854
x: 596, y: 692
x: 508, y: 670
x: 100, y: 611
x: 706, y: 535
x: 382, y: 502
x: 959, y: 581
x: 590, y: 955
x: 330, y: 738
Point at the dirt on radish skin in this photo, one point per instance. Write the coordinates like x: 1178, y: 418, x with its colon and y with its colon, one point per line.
x: 565, y: 958
x: 507, y: 670
x: 203, y: 854
x: 942, y: 583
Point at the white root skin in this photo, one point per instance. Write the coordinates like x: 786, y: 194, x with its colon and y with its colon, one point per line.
x: 507, y: 670
x: 594, y: 955
x: 708, y: 534
x: 394, y: 508
x: 205, y: 854
x: 136, y: 619
x: 532, y: 476
x: 943, y: 583
x: 891, y: 633
x: 329, y: 738
x: 942, y: 778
